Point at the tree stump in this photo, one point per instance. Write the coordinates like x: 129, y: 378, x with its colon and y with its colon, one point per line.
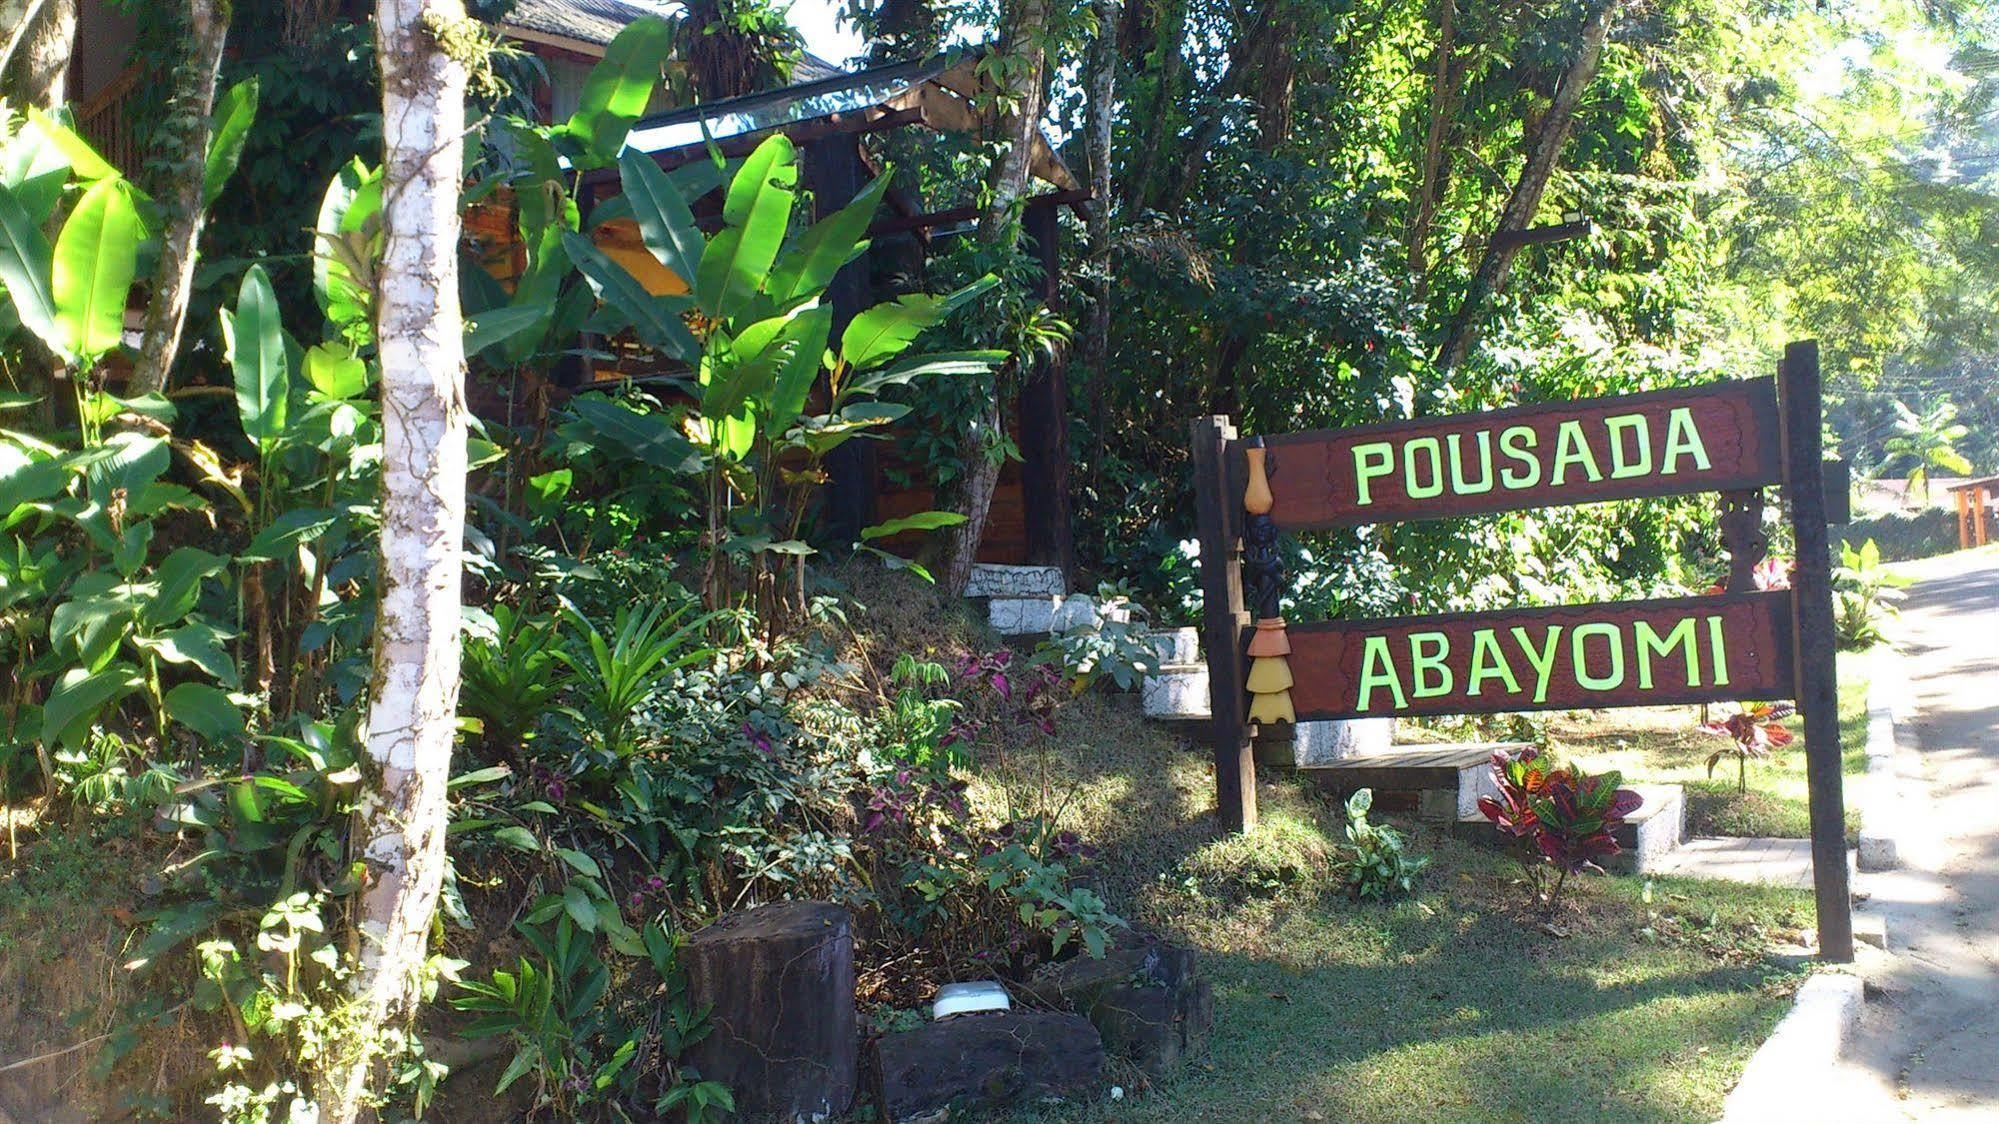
x: 986, y: 1062
x: 780, y: 979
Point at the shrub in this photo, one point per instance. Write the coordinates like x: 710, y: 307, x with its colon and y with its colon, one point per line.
x: 1864, y: 596
x: 1377, y: 863
x: 1904, y: 535
x: 1569, y: 817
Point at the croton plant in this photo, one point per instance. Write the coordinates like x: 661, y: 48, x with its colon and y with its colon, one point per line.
x: 1569, y: 817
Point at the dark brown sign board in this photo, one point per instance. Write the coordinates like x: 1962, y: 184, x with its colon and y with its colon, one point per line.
x: 1569, y: 657
x: 1734, y: 437
x: 1720, y: 437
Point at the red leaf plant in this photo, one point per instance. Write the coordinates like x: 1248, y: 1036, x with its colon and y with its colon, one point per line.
x: 1753, y: 731
x: 1567, y: 816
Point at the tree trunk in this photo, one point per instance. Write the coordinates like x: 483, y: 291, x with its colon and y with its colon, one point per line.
x: 1443, y: 103
x: 975, y: 500
x: 1019, y: 117
x: 1171, y: 38
x: 414, y: 694
x: 39, y: 49
x: 1102, y: 117
x: 187, y: 131
x: 1018, y: 124
x: 1553, y: 132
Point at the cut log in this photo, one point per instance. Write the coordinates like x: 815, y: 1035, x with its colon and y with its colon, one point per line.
x: 780, y: 983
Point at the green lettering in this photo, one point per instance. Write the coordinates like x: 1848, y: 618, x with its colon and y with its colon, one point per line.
x: 1514, y: 441
x: 1377, y: 669
x: 1435, y: 487
x: 1579, y: 652
x: 1683, y: 439
x: 1650, y: 643
x: 1427, y: 674
x: 1572, y: 447
x: 1373, y: 459
x: 1636, y: 425
x: 1717, y: 654
x: 1460, y: 485
x: 1543, y: 660
x: 1488, y: 661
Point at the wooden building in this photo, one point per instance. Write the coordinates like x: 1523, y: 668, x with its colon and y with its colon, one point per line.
x: 1977, y: 510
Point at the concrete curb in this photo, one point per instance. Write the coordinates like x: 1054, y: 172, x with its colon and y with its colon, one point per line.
x: 1803, y: 1047
x: 1878, y: 796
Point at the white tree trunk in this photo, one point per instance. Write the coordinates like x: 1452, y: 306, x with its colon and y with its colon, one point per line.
x: 400, y: 825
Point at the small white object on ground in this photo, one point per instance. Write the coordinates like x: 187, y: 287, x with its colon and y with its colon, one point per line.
x: 975, y: 997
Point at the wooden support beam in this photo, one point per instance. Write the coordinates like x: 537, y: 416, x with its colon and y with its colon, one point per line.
x: 1815, y: 643
x: 968, y: 213
x: 834, y: 171
x: 1218, y: 515
x: 1044, y: 421
x: 803, y: 133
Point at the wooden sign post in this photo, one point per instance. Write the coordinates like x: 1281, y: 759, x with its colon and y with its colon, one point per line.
x: 1735, y: 437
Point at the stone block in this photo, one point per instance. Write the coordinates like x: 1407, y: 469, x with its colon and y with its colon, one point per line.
x: 991, y: 579
x: 1652, y: 832
x: 1319, y: 743
x: 1022, y: 616
x: 779, y: 982
x: 1148, y: 1001
x: 985, y: 1063
x: 1176, y: 693
x: 1175, y: 645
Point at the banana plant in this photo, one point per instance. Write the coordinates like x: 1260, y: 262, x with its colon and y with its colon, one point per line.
x: 773, y: 391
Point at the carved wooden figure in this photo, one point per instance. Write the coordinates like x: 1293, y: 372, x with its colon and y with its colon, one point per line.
x: 1269, y: 683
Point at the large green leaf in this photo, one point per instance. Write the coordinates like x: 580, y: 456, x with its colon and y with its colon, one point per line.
x: 81, y: 697
x: 84, y: 160
x: 655, y: 318
x: 25, y: 259
x: 737, y: 262
x: 206, y: 710
x: 256, y: 340
x: 336, y: 372
x: 911, y: 367
x: 921, y: 521
x: 287, y: 533
x: 35, y: 170
x: 665, y: 222
x: 234, y: 115
x: 831, y: 242
x: 618, y: 88
x: 96, y: 257
x: 808, y: 332
x: 178, y: 578
x: 498, y: 325
x: 645, y: 437
x: 881, y: 333
x: 196, y: 644
x: 345, y: 248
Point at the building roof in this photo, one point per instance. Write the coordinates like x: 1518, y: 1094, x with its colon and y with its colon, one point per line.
x: 586, y: 21
x: 1980, y: 482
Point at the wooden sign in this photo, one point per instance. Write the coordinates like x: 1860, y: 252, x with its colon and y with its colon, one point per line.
x: 1732, y: 437
x: 1630, y: 653
x: 1721, y: 437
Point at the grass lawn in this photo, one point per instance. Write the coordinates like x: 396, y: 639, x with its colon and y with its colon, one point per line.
x: 1458, y: 1005
x: 1664, y: 745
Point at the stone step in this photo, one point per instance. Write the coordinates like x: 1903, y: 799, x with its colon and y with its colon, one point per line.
x: 1178, y: 693
x: 1175, y: 645
x: 992, y: 579
x: 1446, y: 780
x: 1043, y: 616
x: 1648, y: 838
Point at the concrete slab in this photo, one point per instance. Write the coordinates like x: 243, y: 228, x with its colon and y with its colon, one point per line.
x: 1797, y: 1054
x: 991, y: 579
x: 1175, y: 645
x: 1774, y: 862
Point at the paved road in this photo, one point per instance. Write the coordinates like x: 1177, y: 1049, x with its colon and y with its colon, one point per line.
x: 1928, y: 1046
